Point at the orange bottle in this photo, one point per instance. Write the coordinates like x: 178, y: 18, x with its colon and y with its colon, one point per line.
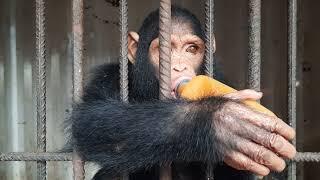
x: 204, y: 86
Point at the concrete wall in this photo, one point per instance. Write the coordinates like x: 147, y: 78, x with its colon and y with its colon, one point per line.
x: 102, y: 45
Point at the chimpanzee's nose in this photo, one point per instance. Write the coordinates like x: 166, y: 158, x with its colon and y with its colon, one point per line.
x: 179, y: 67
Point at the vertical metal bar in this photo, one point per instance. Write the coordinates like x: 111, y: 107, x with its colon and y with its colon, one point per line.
x: 41, y: 86
x: 77, y: 29
x: 124, y: 51
x: 254, y: 66
x: 254, y: 51
x: 292, y: 61
x: 165, y: 65
x: 209, y: 172
x: 165, y: 49
x: 124, y: 92
x: 209, y: 61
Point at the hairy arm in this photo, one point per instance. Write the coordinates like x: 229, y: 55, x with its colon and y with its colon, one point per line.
x: 126, y: 137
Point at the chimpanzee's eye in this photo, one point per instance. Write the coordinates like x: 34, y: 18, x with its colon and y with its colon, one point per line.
x: 192, y: 49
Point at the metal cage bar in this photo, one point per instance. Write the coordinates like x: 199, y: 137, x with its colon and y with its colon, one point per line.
x: 41, y: 86
x: 210, y: 40
x: 254, y: 51
x: 165, y: 66
x: 29, y: 156
x: 124, y: 82
x: 210, y: 64
x: 165, y: 49
x: 47, y: 156
x: 254, y: 66
x: 124, y: 93
x: 77, y: 29
x: 292, y: 61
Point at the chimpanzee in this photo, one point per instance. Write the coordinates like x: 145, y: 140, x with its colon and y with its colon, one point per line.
x: 139, y: 136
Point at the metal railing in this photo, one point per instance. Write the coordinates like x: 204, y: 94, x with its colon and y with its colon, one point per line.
x: 254, y: 70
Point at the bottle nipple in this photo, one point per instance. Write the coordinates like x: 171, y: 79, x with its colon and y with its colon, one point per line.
x: 180, y: 86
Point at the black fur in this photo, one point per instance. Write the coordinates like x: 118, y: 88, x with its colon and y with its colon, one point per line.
x: 147, y: 132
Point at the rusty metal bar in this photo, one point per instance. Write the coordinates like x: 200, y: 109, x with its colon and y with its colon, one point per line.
x: 124, y: 51
x: 292, y: 61
x: 254, y: 51
x: 124, y: 89
x: 210, y: 64
x: 50, y: 156
x: 41, y: 86
x: 165, y: 66
x: 254, y: 66
x: 307, y: 157
x: 77, y: 29
x: 165, y: 49
x: 210, y: 40
x: 27, y: 156
x: 209, y: 171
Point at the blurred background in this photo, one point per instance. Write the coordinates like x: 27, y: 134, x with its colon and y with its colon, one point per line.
x: 17, y: 56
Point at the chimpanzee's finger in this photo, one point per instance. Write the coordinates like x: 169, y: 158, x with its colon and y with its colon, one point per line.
x: 270, y: 123
x: 246, y: 94
x: 261, y: 155
x: 240, y: 161
x: 273, y: 124
x: 272, y: 141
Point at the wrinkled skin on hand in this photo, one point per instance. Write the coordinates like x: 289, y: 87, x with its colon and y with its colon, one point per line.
x: 254, y: 141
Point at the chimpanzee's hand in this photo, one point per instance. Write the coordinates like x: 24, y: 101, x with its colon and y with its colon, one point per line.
x: 254, y: 141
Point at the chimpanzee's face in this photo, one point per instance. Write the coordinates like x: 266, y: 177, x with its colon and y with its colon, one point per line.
x: 187, y: 53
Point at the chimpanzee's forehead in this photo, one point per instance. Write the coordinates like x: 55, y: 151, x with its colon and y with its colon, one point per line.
x: 182, y: 28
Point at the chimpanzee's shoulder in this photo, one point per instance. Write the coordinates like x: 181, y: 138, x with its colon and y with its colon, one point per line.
x: 102, y: 83
x: 105, y: 71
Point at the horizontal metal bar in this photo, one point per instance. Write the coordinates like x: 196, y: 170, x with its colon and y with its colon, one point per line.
x: 307, y: 157
x: 47, y: 156
x: 30, y: 156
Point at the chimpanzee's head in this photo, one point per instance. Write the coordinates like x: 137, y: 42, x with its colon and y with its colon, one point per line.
x: 188, y: 49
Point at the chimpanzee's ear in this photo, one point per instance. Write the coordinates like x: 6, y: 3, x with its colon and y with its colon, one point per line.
x: 133, y: 39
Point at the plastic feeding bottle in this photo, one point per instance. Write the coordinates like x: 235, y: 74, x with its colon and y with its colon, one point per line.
x: 203, y: 86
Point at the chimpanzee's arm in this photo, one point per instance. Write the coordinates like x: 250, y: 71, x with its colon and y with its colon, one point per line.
x: 125, y: 137
x: 129, y: 136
